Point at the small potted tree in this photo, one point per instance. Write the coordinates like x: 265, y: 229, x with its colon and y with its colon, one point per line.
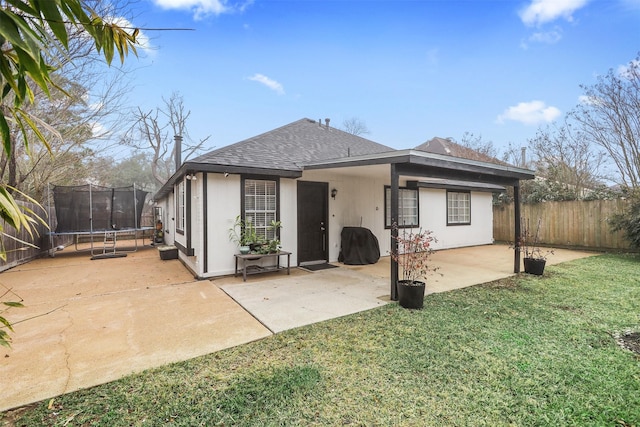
x: 412, y: 256
x: 243, y: 234
x: 535, y: 258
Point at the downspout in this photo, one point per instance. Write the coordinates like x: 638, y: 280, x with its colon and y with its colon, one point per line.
x: 395, y: 192
x: 516, y: 227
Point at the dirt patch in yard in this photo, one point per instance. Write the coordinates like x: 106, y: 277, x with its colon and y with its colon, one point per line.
x: 631, y: 341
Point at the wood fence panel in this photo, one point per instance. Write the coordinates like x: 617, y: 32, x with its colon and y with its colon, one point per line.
x: 579, y: 224
x: 19, y: 253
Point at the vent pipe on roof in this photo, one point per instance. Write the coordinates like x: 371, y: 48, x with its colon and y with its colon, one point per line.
x: 327, y: 122
x: 178, y: 148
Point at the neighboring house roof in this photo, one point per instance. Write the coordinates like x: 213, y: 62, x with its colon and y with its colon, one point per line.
x: 447, y: 147
x: 291, y: 146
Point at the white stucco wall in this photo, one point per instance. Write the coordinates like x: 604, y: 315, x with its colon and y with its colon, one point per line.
x: 433, y: 216
x: 223, y: 197
x: 289, y: 218
x: 359, y: 202
x: 194, y: 262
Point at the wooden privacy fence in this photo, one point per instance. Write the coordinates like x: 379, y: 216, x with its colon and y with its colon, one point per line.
x: 576, y: 224
x: 19, y: 253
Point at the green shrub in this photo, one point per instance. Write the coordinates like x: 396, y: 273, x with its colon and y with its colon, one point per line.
x: 629, y: 221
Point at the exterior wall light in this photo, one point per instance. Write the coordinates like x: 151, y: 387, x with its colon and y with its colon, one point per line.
x: 334, y: 192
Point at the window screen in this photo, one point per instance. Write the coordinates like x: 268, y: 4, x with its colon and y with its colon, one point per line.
x: 180, y: 207
x: 260, y: 206
x: 407, y: 208
x: 458, y: 208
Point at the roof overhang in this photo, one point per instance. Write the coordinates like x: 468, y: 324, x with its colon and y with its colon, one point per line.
x: 412, y: 163
x: 409, y: 163
x: 193, y: 167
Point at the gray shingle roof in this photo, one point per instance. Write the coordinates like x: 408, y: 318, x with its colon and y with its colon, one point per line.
x: 291, y: 146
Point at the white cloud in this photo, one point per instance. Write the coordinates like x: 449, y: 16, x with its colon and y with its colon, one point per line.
x: 530, y: 113
x: 204, y: 8
x: 549, y: 37
x: 98, y: 130
x: 270, y: 83
x: 587, y: 100
x: 543, y: 11
x: 630, y: 70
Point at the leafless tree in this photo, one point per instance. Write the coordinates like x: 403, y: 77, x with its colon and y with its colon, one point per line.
x: 479, y: 145
x: 563, y: 155
x: 72, y: 122
x: 76, y: 119
x: 155, y: 130
x: 355, y: 126
x: 609, y: 117
x: 517, y: 156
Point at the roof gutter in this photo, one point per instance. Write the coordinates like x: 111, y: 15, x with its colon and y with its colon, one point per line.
x: 421, y: 158
x: 192, y: 167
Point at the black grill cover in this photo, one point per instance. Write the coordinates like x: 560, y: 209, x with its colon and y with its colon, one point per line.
x: 359, y: 246
x: 110, y: 208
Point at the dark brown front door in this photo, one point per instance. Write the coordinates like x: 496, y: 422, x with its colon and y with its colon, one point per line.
x: 312, y: 221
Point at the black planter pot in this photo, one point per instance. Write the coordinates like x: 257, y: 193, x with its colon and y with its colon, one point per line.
x: 534, y: 266
x: 410, y: 294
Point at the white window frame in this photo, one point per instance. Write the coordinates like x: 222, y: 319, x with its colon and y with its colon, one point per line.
x: 261, y: 205
x: 458, y: 207
x: 408, y: 207
x: 180, y: 205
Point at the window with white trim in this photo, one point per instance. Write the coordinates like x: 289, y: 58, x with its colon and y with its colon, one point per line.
x: 260, y: 206
x: 458, y: 208
x: 180, y: 207
x: 408, y: 214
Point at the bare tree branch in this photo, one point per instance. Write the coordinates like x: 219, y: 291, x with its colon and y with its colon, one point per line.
x: 355, y: 126
x: 609, y: 117
x: 150, y: 133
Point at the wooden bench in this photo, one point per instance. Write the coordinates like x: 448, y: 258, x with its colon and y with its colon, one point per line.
x: 255, y: 269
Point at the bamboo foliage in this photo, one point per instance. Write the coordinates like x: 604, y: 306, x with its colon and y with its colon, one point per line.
x: 576, y: 224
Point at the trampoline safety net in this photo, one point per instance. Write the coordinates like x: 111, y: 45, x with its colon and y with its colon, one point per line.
x: 76, y: 207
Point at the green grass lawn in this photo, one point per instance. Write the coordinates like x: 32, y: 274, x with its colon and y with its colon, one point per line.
x: 524, y: 351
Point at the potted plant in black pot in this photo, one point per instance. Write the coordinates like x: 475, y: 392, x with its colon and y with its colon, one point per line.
x: 535, y: 258
x: 412, y: 256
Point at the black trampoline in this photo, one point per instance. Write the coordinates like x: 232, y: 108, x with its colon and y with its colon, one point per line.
x: 92, y: 210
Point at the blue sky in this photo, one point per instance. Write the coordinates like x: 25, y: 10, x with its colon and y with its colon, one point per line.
x: 410, y: 70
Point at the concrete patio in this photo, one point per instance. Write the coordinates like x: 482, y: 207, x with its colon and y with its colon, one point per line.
x: 90, y: 322
x: 281, y: 302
